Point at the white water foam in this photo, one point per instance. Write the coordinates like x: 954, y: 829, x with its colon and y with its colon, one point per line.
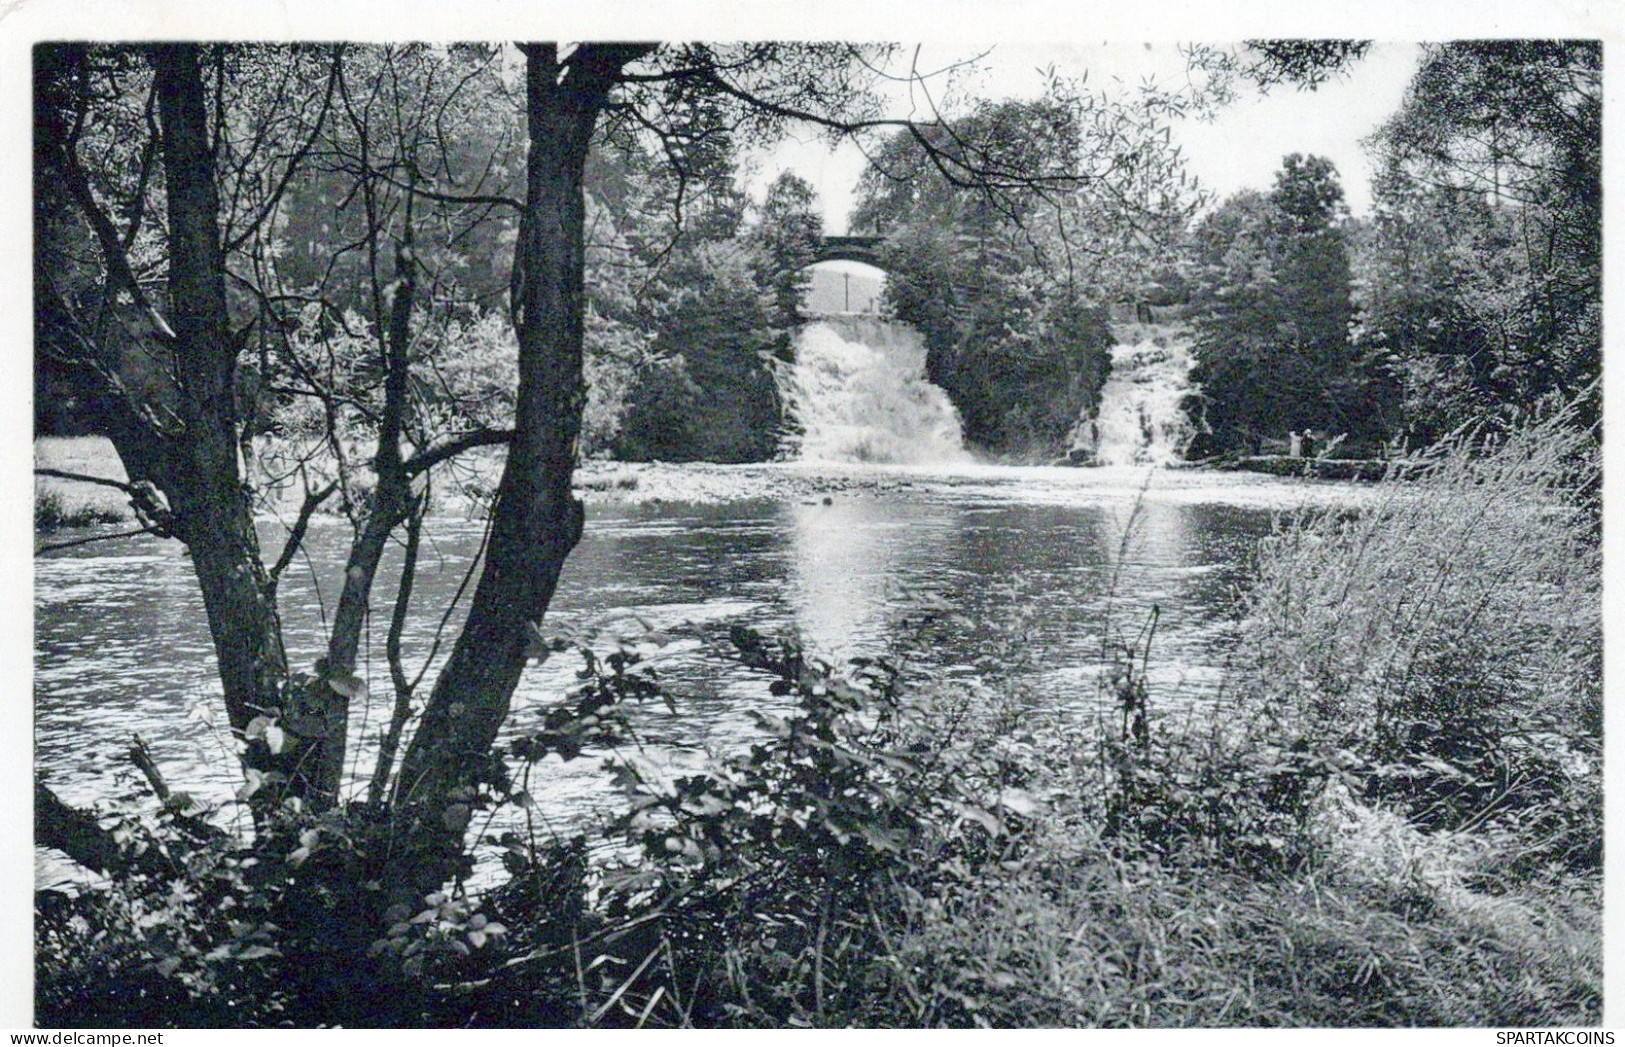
x: 857, y: 392
x: 1140, y: 421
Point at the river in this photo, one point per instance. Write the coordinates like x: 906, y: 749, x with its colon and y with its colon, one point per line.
x: 1039, y: 561
x: 1031, y: 572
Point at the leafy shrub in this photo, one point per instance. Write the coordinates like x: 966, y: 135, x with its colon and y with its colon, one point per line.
x: 757, y: 889
x: 201, y: 929
x: 185, y: 938
x: 1391, y: 816
x: 662, y: 421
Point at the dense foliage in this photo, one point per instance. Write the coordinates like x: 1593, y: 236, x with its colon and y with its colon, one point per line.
x: 1390, y: 816
x: 721, y: 306
x: 1482, y: 272
x: 415, y: 147
x: 235, y: 238
x: 1010, y: 290
x: 1270, y: 310
x: 1472, y: 292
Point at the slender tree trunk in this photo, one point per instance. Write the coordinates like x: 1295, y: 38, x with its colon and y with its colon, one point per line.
x: 175, y: 424
x: 392, y: 503
x: 200, y: 469
x: 167, y: 390
x: 536, y: 520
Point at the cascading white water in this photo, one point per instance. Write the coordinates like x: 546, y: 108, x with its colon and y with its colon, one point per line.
x: 1140, y: 421
x: 857, y: 392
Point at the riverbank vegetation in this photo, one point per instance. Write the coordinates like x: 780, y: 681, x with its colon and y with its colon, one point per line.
x: 1012, y: 296
x: 60, y: 502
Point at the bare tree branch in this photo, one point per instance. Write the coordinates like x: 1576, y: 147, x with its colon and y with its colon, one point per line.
x: 60, y: 474
x: 296, y: 534
x: 432, y: 457
x: 53, y: 547
x: 441, y: 196
x: 295, y: 161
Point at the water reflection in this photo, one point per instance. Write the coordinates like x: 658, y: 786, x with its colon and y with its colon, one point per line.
x: 852, y: 562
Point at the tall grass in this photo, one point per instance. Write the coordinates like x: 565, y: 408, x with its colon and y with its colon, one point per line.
x: 67, y: 503
x: 1392, y: 817
x: 1449, y: 638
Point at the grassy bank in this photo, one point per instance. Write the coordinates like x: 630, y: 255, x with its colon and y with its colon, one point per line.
x: 1391, y: 816
x: 74, y: 503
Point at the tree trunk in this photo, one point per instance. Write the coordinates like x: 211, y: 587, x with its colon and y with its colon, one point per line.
x: 536, y: 520
x: 392, y: 503
x: 167, y: 391
x: 202, y: 472
x: 81, y: 837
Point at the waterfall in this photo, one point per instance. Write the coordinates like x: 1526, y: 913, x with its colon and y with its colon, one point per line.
x: 857, y: 392
x: 1139, y: 420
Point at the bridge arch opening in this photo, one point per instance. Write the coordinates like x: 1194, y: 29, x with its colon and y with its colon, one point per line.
x: 841, y: 285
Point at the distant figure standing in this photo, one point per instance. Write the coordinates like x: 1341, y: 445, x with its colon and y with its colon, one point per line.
x: 1295, y: 444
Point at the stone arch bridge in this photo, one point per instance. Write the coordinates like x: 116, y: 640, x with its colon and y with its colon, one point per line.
x: 865, y: 249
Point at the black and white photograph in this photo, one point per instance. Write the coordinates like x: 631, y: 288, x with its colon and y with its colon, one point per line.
x: 972, y: 517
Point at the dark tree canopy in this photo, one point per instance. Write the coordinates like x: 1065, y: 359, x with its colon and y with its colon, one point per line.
x: 231, y: 232
x: 1483, y: 271
x: 790, y: 231
x: 1272, y: 310
x: 334, y: 274
x: 1009, y: 281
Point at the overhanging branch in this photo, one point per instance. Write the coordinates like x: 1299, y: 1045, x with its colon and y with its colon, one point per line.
x: 52, y: 547
x: 59, y: 474
x: 452, y: 448
x: 296, y: 534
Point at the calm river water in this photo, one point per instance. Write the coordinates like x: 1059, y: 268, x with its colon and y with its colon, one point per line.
x: 837, y: 556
